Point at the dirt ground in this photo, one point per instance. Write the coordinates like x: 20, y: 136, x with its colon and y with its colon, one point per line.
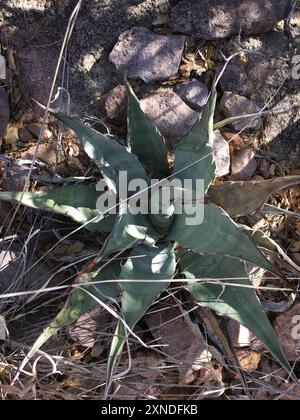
x: 35, y: 30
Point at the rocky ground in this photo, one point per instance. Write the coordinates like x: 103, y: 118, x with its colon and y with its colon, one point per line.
x: 171, y: 50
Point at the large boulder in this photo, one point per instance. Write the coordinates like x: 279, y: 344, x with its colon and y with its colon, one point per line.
x: 142, y: 54
x: 173, y: 118
x: 214, y: 19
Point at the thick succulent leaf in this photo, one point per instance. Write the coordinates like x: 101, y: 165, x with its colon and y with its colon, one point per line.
x: 80, y: 302
x: 218, y: 235
x: 245, y: 197
x: 145, y: 140
x: 162, y: 210
x: 111, y: 157
x: 238, y: 303
x: 193, y: 157
x: 129, y: 230
x: 155, y: 266
x: 75, y: 201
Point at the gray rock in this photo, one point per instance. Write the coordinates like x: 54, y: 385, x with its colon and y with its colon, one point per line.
x: 193, y: 93
x: 232, y: 105
x: 243, y: 165
x: 173, y: 118
x: 8, y: 78
x: 90, y: 327
x: 20, y: 271
x: 25, y: 135
x: 142, y: 54
x: 235, y: 80
x: 113, y: 105
x: 4, y: 112
x: 214, y: 19
x: 221, y: 153
x: 11, y: 263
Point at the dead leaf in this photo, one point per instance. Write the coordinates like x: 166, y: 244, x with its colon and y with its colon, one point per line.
x: 182, y: 340
x: 249, y: 360
x: 242, y: 198
x: 12, y: 137
x: 97, y: 350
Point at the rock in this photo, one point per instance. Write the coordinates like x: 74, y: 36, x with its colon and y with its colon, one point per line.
x: 90, y: 328
x: 35, y: 129
x: 21, y: 271
x: 13, y: 180
x: 11, y: 263
x: 46, y: 153
x: 236, y: 141
x: 287, y: 328
x: 215, y: 19
x: 235, y: 105
x: 37, y: 68
x: 235, y: 80
x: 193, y: 93
x: 173, y: 118
x: 4, y: 112
x: 7, y: 76
x: 142, y: 54
x: 113, y: 105
x: 243, y: 165
x: 25, y: 135
x: 221, y: 151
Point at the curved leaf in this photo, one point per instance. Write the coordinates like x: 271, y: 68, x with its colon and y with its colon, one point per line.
x: 111, y: 157
x: 238, y: 303
x: 194, y: 157
x: 218, y: 235
x: 75, y: 201
x: 145, y: 140
x: 129, y: 230
x: 80, y: 302
x: 242, y: 198
x: 150, y: 265
x: 162, y: 209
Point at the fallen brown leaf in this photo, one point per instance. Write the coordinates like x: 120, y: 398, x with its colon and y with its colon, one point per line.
x: 242, y: 198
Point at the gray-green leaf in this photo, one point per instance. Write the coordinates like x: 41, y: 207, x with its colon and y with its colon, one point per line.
x: 80, y: 302
x: 217, y: 235
x: 155, y: 266
x: 111, y: 157
x: 129, y: 230
x: 145, y: 140
x: 238, y: 303
x: 79, y: 202
x: 193, y: 157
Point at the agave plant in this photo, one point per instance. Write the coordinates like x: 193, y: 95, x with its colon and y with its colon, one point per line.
x: 156, y: 248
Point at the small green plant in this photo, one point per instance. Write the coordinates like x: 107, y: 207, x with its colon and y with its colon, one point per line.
x: 156, y: 248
